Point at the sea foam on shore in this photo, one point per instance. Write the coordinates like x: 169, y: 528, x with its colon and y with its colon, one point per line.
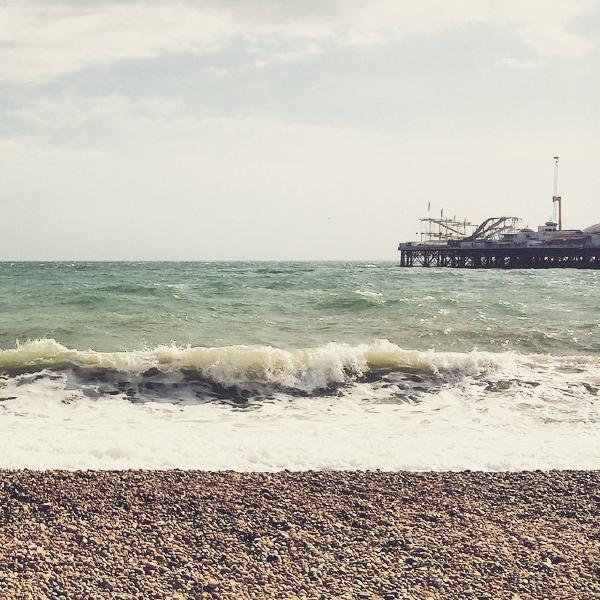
x: 449, y: 432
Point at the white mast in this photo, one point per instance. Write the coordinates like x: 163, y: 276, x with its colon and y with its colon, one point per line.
x: 556, y: 199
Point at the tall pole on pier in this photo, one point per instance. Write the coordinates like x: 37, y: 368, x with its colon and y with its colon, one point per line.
x: 556, y: 198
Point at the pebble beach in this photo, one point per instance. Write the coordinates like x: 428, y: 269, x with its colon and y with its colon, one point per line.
x: 299, y: 300
x: 368, y: 535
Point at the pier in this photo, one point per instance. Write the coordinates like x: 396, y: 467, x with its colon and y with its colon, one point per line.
x: 425, y: 255
x: 497, y: 243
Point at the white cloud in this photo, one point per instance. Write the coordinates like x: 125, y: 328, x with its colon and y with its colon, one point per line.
x: 174, y: 186
x: 42, y: 40
x: 120, y: 126
x: 148, y: 180
x: 516, y: 63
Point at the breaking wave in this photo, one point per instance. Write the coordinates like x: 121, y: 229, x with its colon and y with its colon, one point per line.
x: 306, y: 369
x: 303, y: 370
x: 336, y: 406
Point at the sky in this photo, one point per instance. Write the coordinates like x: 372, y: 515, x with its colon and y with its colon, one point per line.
x: 280, y: 130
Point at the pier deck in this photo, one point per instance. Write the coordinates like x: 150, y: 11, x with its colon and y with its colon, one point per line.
x: 499, y: 257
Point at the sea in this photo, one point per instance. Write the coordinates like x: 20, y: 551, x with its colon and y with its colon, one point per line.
x: 267, y: 366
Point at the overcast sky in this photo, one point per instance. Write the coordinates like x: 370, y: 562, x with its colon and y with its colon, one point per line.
x: 263, y: 129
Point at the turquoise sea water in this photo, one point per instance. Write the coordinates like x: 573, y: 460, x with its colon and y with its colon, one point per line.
x: 266, y: 366
x: 131, y: 306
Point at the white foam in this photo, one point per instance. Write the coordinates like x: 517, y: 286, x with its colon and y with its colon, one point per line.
x: 378, y: 296
x: 553, y: 424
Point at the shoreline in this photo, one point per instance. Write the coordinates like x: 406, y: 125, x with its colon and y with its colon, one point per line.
x: 316, y: 534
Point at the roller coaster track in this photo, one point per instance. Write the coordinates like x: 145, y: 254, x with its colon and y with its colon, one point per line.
x: 492, y: 228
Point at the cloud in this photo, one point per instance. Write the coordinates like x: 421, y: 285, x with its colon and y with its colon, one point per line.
x: 158, y: 183
x: 42, y: 41
x: 516, y: 63
x: 116, y: 178
x: 120, y: 126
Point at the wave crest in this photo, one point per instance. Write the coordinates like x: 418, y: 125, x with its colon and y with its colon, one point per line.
x: 304, y: 369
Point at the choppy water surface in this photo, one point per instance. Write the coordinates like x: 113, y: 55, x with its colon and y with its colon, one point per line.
x: 264, y: 366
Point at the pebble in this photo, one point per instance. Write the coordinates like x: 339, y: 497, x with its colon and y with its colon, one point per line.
x: 188, y: 534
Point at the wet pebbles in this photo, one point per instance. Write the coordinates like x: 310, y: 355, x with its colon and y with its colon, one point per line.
x: 186, y: 534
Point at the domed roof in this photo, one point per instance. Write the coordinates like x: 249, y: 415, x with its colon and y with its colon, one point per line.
x: 593, y: 229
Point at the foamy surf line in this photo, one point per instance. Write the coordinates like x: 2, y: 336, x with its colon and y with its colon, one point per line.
x: 237, y: 374
x: 306, y: 368
x: 449, y: 436
x: 370, y: 406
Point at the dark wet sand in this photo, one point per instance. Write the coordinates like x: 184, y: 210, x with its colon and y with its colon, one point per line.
x: 177, y: 534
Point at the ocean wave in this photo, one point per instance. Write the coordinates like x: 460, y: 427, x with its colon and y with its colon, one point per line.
x: 351, y: 301
x: 368, y: 293
x: 305, y: 369
x: 231, y: 408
